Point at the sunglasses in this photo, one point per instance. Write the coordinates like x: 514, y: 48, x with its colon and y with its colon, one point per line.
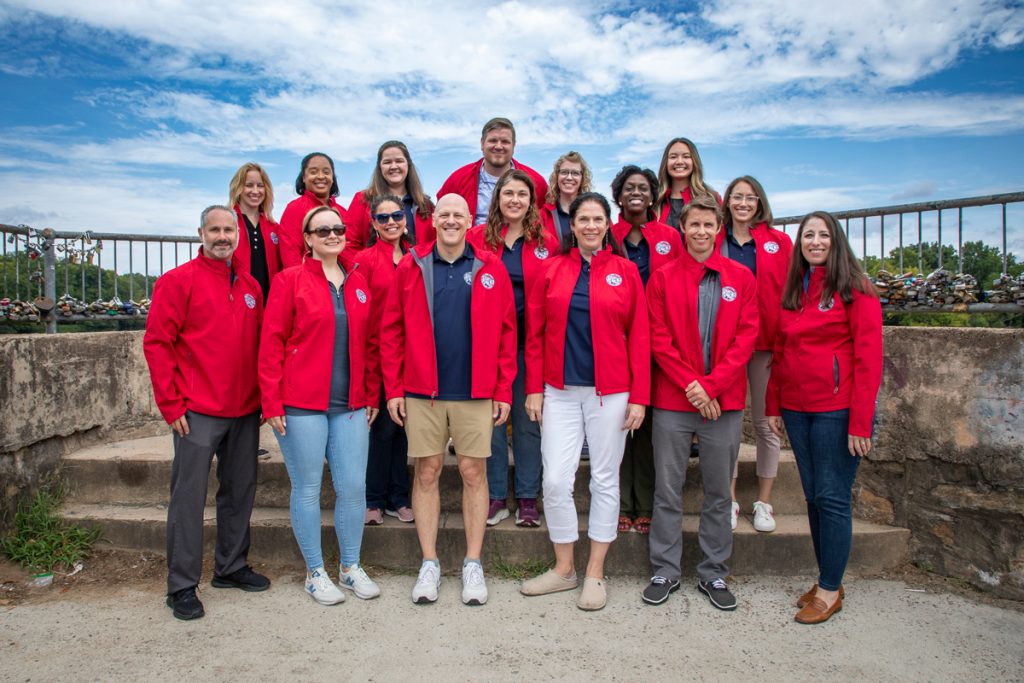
x: 324, y: 232
x: 396, y: 216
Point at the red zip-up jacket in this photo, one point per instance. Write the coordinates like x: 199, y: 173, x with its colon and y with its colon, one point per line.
x: 377, y: 265
x: 270, y: 231
x: 664, y: 241
x: 774, y: 252
x: 407, y: 330
x: 297, y: 345
x: 464, y: 181
x: 672, y: 296
x: 618, y: 321
x: 292, y: 247
x: 828, y: 357
x: 202, y: 337
x: 535, y: 256
x: 360, y: 224
x: 547, y: 217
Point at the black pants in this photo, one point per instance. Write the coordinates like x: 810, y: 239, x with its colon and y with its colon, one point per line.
x: 234, y: 441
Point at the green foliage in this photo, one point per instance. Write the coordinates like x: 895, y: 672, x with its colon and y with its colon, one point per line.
x: 69, y: 280
x: 982, y: 261
x: 41, y: 540
x: 519, y: 571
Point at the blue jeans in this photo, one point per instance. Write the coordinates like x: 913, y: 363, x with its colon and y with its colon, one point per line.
x: 387, y: 472
x: 525, y: 445
x: 343, y: 438
x: 827, y: 471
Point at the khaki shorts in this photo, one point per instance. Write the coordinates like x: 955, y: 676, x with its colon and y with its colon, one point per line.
x: 429, y: 424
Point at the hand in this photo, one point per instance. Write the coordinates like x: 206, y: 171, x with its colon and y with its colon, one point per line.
x: 711, y: 411
x: 277, y: 423
x: 775, y: 424
x: 696, y: 395
x: 535, y: 407
x: 500, y: 411
x: 634, y: 416
x: 371, y: 415
x: 180, y: 426
x: 396, y: 409
x: 858, y: 445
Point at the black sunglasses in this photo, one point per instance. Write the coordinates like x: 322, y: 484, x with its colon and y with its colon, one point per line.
x: 323, y: 232
x: 396, y: 216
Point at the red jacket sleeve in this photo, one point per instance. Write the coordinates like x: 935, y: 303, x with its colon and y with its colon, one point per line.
x: 277, y: 329
x: 536, y: 320
x: 291, y: 247
x: 392, y: 335
x: 664, y: 346
x: 372, y: 362
x: 357, y: 223
x: 507, y: 346
x: 866, y: 330
x: 638, y: 342
x: 728, y: 369
x: 773, y: 394
x: 167, y: 314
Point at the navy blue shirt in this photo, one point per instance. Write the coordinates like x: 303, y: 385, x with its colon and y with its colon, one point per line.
x: 410, y: 216
x: 453, y: 332
x: 561, y: 221
x: 579, y: 342
x: 639, y: 254
x: 512, y: 257
x: 742, y: 253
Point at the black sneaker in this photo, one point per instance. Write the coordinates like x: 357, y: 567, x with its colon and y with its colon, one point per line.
x: 658, y: 590
x: 718, y: 593
x: 185, y: 604
x: 244, y: 578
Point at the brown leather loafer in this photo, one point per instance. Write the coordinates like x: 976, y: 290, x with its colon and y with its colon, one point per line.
x: 806, y: 597
x: 815, y: 612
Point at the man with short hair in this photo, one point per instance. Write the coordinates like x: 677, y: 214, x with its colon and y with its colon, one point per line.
x: 475, y: 182
x: 201, y: 344
x: 703, y: 311
x: 448, y: 340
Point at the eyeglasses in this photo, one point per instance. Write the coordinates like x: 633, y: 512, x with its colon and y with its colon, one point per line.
x: 325, y: 231
x: 744, y: 198
x: 396, y: 216
x: 567, y: 173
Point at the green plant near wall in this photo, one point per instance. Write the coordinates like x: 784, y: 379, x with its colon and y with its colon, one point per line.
x: 41, y: 541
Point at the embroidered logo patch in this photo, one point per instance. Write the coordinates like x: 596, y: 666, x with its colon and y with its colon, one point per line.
x: 361, y: 295
x: 487, y: 280
x: 468, y: 278
x: 250, y: 301
x: 728, y: 294
x: 826, y: 306
x: 771, y: 247
x: 663, y: 247
x: 273, y: 237
x: 541, y: 253
x: 614, y: 279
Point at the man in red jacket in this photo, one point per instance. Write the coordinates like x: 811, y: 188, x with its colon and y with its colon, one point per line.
x: 475, y: 182
x: 448, y: 349
x: 200, y: 343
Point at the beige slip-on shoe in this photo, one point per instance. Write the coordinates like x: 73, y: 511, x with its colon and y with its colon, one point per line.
x: 548, y: 582
x: 594, y: 596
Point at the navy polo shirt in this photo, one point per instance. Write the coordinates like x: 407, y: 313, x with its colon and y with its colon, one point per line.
x: 742, y: 253
x: 579, y: 342
x: 640, y: 254
x: 512, y: 257
x: 453, y: 332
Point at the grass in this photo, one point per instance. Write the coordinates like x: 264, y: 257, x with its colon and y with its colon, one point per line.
x: 519, y: 571
x: 41, y: 541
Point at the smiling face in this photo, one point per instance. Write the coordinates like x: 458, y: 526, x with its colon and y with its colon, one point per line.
x: 589, y: 226
x: 498, y: 145
x: 451, y: 220
x: 699, y: 230
x: 318, y: 177
x: 680, y: 162
x: 390, y: 230
x: 394, y: 167
x: 570, y: 178
x: 253, y: 192
x: 636, y: 196
x: 219, y: 234
x: 514, y: 201
x: 742, y: 203
x: 815, y: 241
x: 329, y: 245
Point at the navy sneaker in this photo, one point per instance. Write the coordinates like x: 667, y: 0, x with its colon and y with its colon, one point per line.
x: 718, y: 593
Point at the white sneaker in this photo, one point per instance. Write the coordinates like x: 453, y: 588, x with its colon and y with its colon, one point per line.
x: 322, y: 589
x: 764, y: 516
x: 427, y: 583
x: 474, y: 590
x: 356, y: 580
x: 735, y: 514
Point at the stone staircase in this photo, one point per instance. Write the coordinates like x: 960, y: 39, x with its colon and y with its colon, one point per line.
x: 123, y: 488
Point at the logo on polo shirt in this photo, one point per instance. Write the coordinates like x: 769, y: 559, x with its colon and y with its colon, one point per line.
x: 541, y: 253
x: 361, y: 295
x: 771, y: 247
x: 826, y: 306
x: 663, y: 247
x: 250, y: 301
x: 468, y: 278
x: 614, y: 279
x: 728, y: 294
x: 273, y: 237
x: 487, y: 280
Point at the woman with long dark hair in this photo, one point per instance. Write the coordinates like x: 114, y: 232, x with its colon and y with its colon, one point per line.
x: 680, y: 180
x: 316, y: 186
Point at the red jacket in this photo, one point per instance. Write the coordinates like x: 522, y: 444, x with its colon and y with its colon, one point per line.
x: 297, y: 345
x: 292, y: 247
x: 377, y: 265
x: 407, y: 337
x: 547, y: 217
x: 464, y: 182
x: 535, y: 256
x: 618, y: 320
x: 774, y: 251
x: 664, y: 241
x: 270, y: 231
x: 828, y: 357
x: 687, y: 196
x: 202, y: 337
x: 672, y: 295
x: 360, y: 224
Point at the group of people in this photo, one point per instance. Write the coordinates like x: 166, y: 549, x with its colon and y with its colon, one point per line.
x: 387, y: 331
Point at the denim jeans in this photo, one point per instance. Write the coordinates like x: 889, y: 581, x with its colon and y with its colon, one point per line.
x: 525, y: 445
x: 827, y: 471
x: 387, y: 470
x: 343, y: 438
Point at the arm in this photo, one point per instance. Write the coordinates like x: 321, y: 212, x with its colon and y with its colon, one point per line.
x: 664, y: 347
x: 536, y: 319
x: 277, y: 329
x: 290, y: 245
x: 392, y: 337
x: 866, y: 330
x: 167, y: 314
x: 357, y: 223
x: 507, y: 345
x: 372, y: 360
x: 638, y: 343
x: 733, y: 364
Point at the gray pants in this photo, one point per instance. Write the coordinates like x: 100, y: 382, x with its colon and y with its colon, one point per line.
x: 719, y: 450
x: 234, y: 441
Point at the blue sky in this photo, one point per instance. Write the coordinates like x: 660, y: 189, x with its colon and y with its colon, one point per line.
x: 133, y: 116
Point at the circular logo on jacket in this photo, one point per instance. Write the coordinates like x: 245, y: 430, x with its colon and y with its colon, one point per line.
x: 663, y: 247
x: 541, y: 253
x: 361, y: 295
x: 250, y: 301
x: 825, y: 306
x: 771, y: 247
x: 273, y: 237
x: 614, y: 279
x: 467, y: 278
x: 728, y: 294
x: 487, y: 280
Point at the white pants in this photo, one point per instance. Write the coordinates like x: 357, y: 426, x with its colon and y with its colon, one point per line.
x: 568, y: 414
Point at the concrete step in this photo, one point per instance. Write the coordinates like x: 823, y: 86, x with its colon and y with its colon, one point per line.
x: 138, y: 472
x: 393, y: 545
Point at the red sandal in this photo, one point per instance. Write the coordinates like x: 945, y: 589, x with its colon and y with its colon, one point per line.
x: 642, y: 525
x: 625, y: 524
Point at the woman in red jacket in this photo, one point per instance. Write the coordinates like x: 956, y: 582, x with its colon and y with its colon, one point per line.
x: 320, y: 386
x: 387, y: 471
x: 750, y: 239
x: 569, y: 178
x: 316, y: 186
x: 588, y: 373
x: 826, y: 372
x: 252, y: 195
x: 394, y: 174
x: 681, y: 179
